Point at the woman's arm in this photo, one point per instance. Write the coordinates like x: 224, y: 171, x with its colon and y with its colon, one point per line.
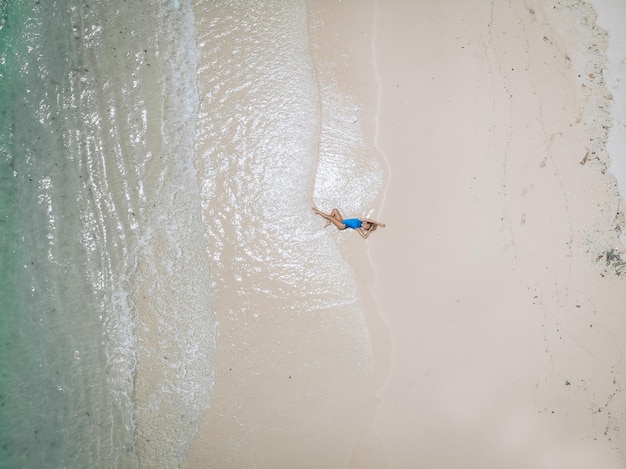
x: 366, y: 232
x: 373, y: 222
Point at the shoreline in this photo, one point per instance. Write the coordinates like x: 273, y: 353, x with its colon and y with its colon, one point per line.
x: 294, y: 356
x: 354, y: 79
x: 342, y: 37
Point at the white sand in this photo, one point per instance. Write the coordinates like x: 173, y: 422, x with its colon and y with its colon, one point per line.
x: 507, y: 325
x: 498, y: 309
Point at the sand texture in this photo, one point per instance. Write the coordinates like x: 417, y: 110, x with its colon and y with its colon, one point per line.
x: 507, y: 320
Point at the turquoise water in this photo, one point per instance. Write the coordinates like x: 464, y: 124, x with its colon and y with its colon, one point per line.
x: 58, y: 404
x: 85, y: 90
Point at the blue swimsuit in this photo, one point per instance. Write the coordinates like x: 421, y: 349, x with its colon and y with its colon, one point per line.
x: 353, y: 223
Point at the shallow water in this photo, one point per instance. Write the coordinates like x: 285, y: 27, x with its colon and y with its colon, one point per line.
x: 96, y: 142
x: 291, y: 322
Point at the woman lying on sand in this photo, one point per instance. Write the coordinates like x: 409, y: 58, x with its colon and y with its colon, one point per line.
x: 363, y: 225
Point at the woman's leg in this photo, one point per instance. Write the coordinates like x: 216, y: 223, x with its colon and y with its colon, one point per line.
x: 336, y: 215
x: 334, y: 218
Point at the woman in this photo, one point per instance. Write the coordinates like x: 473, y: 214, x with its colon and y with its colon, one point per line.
x: 364, y: 226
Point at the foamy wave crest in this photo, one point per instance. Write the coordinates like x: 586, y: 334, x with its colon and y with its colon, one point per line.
x: 175, y: 327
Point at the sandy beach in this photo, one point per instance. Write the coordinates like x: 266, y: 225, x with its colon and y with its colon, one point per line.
x: 173, y: 295
x: 494, y: 298
x: 507, y: 321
